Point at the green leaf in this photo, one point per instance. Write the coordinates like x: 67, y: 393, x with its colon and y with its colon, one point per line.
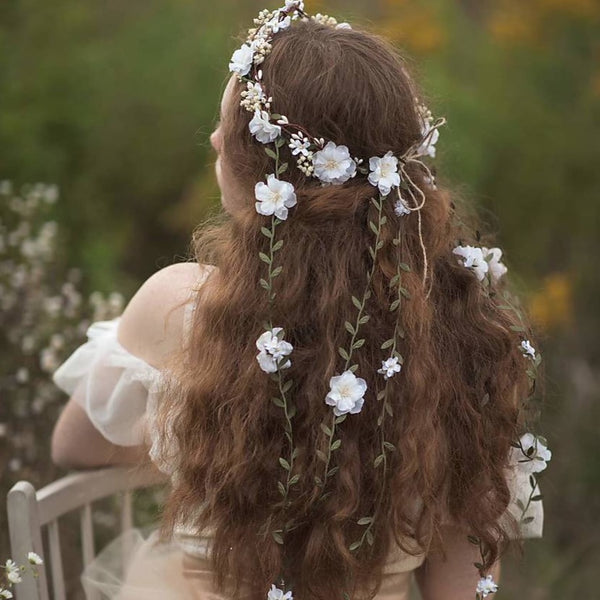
x: 318, y: 481
x: 277, y: 537
x: 281, y: 488
x: 343, y: 353
x: 389, y: 446
x: 356, y: 302
x: 405, y: 293
x: 264, y: 284
x: 287, y: 385
x: 485, y: 399
x: 388, y: 409
x: 280, y: 141
x: 372, y: 252
x: 381, y: 395
x: 270, y: 153
x: 354, y: 546
x: 394, y: 305
x: 340, y: 419
x: 517, y: 328
x: 292, y: 412
x: 370, y: 538
x: 526, y: 520
x: 266, y: 232
x: 364, y: 319
x: 277, y: 246
x: 295, y: 453
x: 387, y: 343
x: 336, y: 444
x: 378, y: 460
x: 332, y: 471
x: 321, y: 455
x: 276, y: 271
x: 278, y: 402
x: 282, y: 168
x: 373, y: 228
x: 383, y: 220
x: 365, y: 521
x: 353, y: 368
x: 349, y: 327
x: 394, y: 280
x: 284, y: 463
x: 264, y: 258
x: 358, y: 344
x: 404, y: 267
x: 325, y: 429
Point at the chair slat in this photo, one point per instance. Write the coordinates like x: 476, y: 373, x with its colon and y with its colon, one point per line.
x: 58, y: 580
x: 87, y: 534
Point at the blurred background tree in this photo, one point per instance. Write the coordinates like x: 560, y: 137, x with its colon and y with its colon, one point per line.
x: 114, y: 102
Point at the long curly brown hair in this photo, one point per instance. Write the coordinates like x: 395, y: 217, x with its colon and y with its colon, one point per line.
x: 456, y: 403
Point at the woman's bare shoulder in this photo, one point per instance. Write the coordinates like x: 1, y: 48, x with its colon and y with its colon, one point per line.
x: 151, y: 326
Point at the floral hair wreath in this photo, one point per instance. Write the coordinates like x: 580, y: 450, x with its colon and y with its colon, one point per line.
x: 333, y: 164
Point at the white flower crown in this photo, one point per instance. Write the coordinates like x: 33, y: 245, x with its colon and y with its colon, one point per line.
x: 333, y: 164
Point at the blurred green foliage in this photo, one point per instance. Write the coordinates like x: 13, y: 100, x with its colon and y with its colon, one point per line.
x: 114, y: 102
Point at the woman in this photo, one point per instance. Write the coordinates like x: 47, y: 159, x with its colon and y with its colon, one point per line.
x: 338, y: 382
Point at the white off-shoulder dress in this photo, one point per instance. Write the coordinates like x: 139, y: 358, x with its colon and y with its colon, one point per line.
x: 120, y: 393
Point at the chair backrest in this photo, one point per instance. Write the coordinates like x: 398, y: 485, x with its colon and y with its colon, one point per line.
x: 29, y: 511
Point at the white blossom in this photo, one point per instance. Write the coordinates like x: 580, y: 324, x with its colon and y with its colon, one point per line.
x: 276, y: 25
x: 254, y: 98
x: 346, y: 393
x: 299, y: 144
x: 262, y: 129
x: 277, y: 594
x: 241, y: 60
x: 496, y: 268
x: 533, y: 455
x: 473, y: 259
x: 486, y: 585
x: 429, y: 134
x: 293, y: 5
x: 333, y: 164
x: 528, y: 349
x: 384, y: 172
x: 13, y: 573
x: 272, y: 348
x: 34, y: 559
x: 390, y: 367
x: 400, y: 208
x: 274, y: 197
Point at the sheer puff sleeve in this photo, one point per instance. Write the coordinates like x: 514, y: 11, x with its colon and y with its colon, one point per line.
x: 113, y: 386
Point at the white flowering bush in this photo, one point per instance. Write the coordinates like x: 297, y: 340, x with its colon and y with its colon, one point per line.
x: 13, y: 573
x: 43, y: 318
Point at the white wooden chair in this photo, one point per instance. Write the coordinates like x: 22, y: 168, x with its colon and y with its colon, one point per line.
x: 29, y: 511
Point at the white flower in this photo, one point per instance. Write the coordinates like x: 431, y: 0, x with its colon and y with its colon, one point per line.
x: 272, y: 348
x: 384, y: 172
x: 262, y: 129
x: 334, y: 164
x: 13, y: 573
x: 400, y: 208
x: 528, y: 349
x: 496, y: 268
x: 346, y: 393
x: 254, y: 98
x: 299, y: 144
x: 274, y: 197
x: 276, y: 594
x: 276, y: 25
x: 428, y: 133
x: 486, y: 585
x: 390, y: 367
x: 5, y: 594
x: 241, y: 60
x: 343, y: 26
x: 473, y: 259
x: 34, y: 559
x: 533, y: 454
